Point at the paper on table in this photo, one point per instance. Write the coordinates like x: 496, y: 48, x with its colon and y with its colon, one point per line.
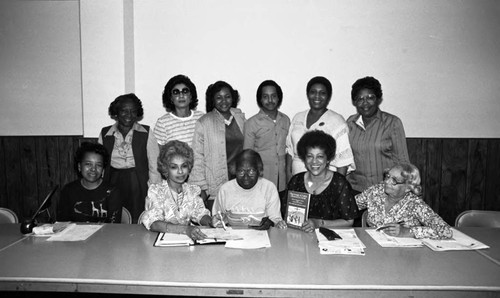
x: 385, y: 240
x: 75, y: 233
x: 252, y: 239
x: 221, y: 234
x: 460, y: 241
x: 348, y: 245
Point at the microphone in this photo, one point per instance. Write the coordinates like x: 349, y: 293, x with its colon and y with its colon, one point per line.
x: 28, y: 224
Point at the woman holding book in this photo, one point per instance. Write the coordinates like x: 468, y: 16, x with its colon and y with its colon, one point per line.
x: 331, y: 201
x: 173, y: 205
x: 396, y: 206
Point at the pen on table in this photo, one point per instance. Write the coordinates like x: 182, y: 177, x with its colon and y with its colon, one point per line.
x: 222, y: 220
x: 385, y: 227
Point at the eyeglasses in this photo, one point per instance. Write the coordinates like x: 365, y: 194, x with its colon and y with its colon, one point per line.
x: 177, y: 92
x: 392, y: 180
x: 249, y: 172
x: 370, y: 98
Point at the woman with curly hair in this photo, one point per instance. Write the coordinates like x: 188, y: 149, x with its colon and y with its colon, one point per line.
x: 134, y: 152
x: 180, y: 99
x: 331, y: 203
x: 218, y: 139
x: 173, y: 205
x: 395, y: 205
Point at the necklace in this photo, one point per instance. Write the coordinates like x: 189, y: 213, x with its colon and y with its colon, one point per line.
x: 316, y: 187
x: 90, y: 187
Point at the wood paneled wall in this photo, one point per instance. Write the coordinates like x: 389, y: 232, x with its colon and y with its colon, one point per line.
x: 457, y: 174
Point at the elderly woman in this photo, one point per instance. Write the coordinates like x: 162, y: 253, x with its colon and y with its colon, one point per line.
x: 134, y: 152
x: 180, y: 99
x: 395, y: 205
x: 377, y: 138
x: 249, y: 199
x: 331, y: 203
x: 266, y: 133
x: 319, y: 117
x: 90, y: 199
x: 173, y: 204
x: 218, y: 139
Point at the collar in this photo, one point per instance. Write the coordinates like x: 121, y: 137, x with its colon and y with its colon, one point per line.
x: 359, y: 119
x: 263, y: 114
x: 136, y: 126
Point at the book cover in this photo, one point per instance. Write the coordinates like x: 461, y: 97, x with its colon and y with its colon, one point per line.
x: 297, y: 208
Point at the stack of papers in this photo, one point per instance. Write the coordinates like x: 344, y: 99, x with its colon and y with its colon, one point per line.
x: 385, y: 240
x: 348, y: 245
x: 249, y: 239
x: 460, y: 241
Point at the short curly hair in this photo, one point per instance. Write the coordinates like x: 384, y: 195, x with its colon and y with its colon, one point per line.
x: 172, y: 149
x: 167, y: 92
x: 272, y: 84
x: 410, y: 174
x: 88, y: 147
x: 323, y: 81
x: 216, y: 87
x: 316, y: 139
x: 370, y: 83
x: 115, y: 106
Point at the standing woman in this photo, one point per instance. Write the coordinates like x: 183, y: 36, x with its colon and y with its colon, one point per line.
x: 218, y: 138
x: 134, y: 152
x: 319, y: 117
x: 266, y: 133
x: 180, y: 99
x: 377, y: 138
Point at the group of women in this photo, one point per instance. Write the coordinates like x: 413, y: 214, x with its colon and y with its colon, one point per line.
x: 220, y: 168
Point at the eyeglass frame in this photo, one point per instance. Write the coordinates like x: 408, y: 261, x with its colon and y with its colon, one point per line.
x: 370, y: 98
x: 250, y: 172
x: 393, y: 180
x: 185, y: 91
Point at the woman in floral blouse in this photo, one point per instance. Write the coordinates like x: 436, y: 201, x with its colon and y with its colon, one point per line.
x: 395, y: 205
x: 173, y: 205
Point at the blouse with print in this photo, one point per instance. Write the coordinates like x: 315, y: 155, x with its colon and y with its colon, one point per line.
x: 412, y: 210
x: 335, y: 202
x: 164, y: 204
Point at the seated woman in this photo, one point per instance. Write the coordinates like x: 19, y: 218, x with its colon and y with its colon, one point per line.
x: 248, y: 199
x: 395, y: 203
x: 90, y: 199
x: 331, y: 203
x: 172, y: 205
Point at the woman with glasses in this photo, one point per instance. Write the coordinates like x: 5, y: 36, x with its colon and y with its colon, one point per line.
x: 134, y: 152
x: 248, y: 200
x: 331, y: 201
x: 395, y: 206
x: 180, y: 100
x: 319, y: 117
x: 377, y: 138
x: 218, y: 138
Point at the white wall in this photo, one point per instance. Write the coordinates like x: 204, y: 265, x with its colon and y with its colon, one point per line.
x: 40, y: 81
x: 436, y: 59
